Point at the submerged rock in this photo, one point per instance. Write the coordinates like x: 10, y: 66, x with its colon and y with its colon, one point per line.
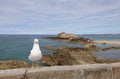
x: 110, y: 48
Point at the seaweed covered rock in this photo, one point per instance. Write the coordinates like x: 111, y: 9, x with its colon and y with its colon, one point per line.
x: 75, y: 55
x: 110, y: 48
x: 12, y: 64
x: 69, y: 56
x: 50, y: 48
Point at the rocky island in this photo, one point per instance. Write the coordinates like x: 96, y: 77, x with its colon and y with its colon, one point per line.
x: 67, y: 37
x: 75, y: 55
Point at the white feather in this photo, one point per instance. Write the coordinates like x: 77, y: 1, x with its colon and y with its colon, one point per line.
x: 35, y: 53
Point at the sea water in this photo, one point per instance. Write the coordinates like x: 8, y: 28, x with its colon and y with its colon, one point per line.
x: 17, y: 47
x: 110, y: 54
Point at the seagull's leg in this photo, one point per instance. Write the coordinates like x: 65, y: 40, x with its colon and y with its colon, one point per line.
x: 32, y: 64
x: 37, y: 64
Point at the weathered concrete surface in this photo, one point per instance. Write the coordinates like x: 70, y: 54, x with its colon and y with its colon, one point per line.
x: 88, y: 71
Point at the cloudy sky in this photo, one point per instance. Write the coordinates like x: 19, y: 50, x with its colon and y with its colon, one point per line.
x: 53, y: 16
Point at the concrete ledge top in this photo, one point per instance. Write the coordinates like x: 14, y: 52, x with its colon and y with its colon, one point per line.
x: 57, y: 68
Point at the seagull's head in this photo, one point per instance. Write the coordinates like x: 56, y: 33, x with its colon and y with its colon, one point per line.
x: 36, y: 41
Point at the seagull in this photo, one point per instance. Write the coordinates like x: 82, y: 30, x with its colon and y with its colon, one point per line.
x: 35, y: 53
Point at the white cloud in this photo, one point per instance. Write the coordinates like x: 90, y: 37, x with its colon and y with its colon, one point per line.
x: 68, y: 13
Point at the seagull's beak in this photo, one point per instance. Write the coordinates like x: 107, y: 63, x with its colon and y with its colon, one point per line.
x: 36, y: 42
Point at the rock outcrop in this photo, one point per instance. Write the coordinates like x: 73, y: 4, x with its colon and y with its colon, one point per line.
x: 75, y: 55
x: 12, y: 64
x: 66, y: 35
x: 70, y: 56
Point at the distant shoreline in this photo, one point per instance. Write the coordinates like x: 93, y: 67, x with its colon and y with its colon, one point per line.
x: 107, y: 42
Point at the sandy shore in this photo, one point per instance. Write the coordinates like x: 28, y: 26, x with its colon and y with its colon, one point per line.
x: 106, y: 42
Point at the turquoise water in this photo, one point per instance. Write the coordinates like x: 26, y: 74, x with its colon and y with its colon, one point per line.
x: 17, y: 47
x: 110, y: 54
x: 103, y: 37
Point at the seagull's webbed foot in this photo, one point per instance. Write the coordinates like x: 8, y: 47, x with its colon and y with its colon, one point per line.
x: 35, y: 66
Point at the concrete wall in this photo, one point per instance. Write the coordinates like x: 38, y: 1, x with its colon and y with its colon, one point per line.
x: 88, y: 71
